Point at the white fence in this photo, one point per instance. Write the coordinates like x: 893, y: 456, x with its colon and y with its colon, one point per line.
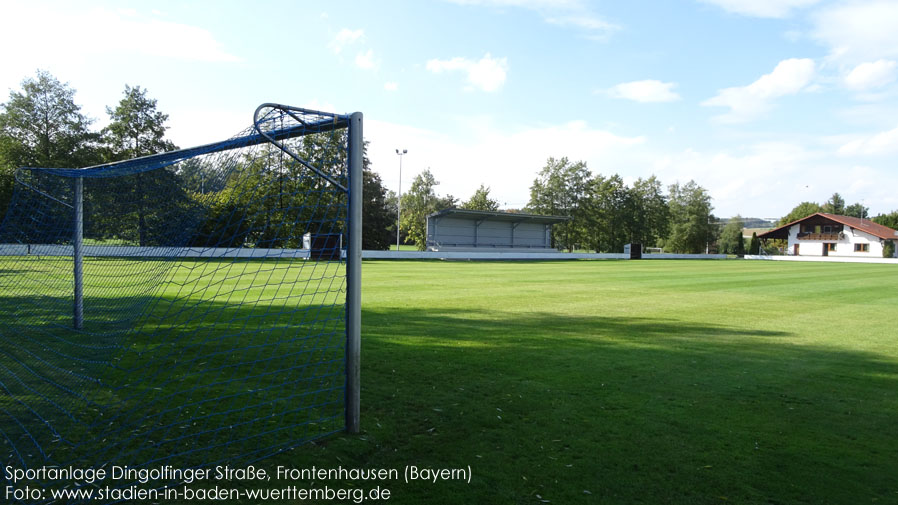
x: 105, y: 251
x: 824, y: 259
x: 506, y: 255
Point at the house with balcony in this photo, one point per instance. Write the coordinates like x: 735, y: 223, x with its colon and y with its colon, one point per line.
x: 824, y: 234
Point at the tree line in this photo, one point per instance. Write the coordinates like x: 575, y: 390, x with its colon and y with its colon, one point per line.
x: 42, y: 126
x: 604, y: 212
x: 837, y: 205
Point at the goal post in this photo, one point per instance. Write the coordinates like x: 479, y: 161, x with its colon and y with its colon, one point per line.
x: 354, y: 277
x: 164, y: 310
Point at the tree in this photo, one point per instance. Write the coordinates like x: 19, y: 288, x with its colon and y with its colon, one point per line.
x: 731, y: 236
x: 137, y: 129
x: 835, y: 205
x: 754, y: 246
x: 692, y: 227
x: 7, y: 180
x: 888, y: 249
x: 608, y: 213
x: 890, y: 219
x: 560, y: 190
x: 857, y: 210
x: 42, y: 126
x: 260, y: 201
x: 481, y: 200
x: 378, y: 215
x: 652, y: 214
x: 739, y: 250
x: 417, y: 203
x: 800, y: 211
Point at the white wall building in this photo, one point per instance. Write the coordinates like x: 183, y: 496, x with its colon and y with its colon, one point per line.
x: 833, y: 235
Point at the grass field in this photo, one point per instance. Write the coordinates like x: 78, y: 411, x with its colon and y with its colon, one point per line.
x: 631, y: 382
x: 627, y: 382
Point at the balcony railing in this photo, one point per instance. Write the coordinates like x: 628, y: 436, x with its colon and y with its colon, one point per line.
x: 821, y: 236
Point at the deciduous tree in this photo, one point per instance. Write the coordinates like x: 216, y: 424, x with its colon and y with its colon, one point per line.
x: 42, y: 126
x: 481, y: 200
x: 417, y: 203
x: 378, y: 215
x: 800, y: 211
x: 137, y: 129
x: 652, y: 214
x: 692, y: 227
x: 731, y: 236
x: 560, y: 189
x: 890, y: 219
x: 857, y: 210
x: 835, y: 205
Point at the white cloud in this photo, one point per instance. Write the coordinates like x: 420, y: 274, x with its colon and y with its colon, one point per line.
x: 751, y: 101
x: 859, y: 31
x: 505, y: 158
x: 391, y: 86
x: 564, y: 13
x: 598, y: 28
x: 487, y: 74
x: 767, y: 179
x: 762, y: 8
x: 91, y: 31
x: 871, y: 75
x: 366, y: 60
x: 91, y: 34
x: 648, y: 90
x: 218, y: 123
x: 879, y: 144
x: 344, y: 38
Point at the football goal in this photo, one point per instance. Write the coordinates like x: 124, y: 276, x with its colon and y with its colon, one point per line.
x: 186, y: 309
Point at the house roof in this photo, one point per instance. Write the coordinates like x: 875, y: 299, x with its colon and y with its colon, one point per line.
x: 864, y: 225
x: 498, y: 216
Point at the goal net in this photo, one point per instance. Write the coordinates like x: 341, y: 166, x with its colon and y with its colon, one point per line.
x: 184, y: 309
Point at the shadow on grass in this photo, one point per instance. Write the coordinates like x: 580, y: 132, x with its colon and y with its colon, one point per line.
x: 571, y: 409
x: 623, y: 410
x: 189, y: 383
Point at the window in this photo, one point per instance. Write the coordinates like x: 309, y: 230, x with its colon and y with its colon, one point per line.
x: 861, y: 247
x: 827, y: 229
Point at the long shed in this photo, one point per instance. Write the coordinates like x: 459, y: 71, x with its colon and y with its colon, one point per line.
x: 474, y: 230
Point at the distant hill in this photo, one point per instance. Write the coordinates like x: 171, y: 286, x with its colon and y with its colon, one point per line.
x: 752, y: 222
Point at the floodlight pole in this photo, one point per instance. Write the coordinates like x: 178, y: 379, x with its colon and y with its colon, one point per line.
x: 399, y: 199
x: 354, y: 277
x: 78, y: 253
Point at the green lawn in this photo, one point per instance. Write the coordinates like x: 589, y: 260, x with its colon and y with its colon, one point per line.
x: 404, y: 247
x: 631, y: 382
x: 627, y: 382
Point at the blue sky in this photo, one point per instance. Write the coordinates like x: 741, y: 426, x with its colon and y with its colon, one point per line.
x: 766, y: 103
